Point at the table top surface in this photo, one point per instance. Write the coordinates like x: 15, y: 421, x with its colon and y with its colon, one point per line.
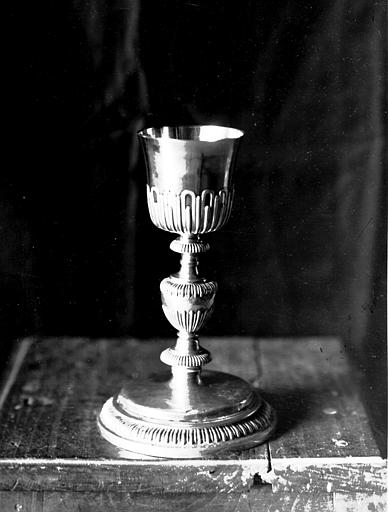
x: 56, y: 387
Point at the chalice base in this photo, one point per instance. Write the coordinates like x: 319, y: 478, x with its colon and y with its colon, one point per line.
x: 212, y: 412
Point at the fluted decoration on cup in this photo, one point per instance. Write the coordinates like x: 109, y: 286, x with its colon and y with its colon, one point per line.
x: 188, y: 213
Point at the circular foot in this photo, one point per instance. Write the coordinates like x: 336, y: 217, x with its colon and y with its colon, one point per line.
x: 217, y: 412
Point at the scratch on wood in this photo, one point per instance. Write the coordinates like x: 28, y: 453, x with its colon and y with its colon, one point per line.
x: 15, y: 484
x: 15, y: 366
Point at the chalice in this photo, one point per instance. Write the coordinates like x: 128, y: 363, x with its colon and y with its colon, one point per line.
x: 188, y: 412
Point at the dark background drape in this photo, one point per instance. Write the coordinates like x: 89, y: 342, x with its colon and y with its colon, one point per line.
x: 304, y: 252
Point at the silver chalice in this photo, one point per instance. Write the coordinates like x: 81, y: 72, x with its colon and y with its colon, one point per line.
x: 188, y: 412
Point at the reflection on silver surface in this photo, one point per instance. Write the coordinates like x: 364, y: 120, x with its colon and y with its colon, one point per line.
x: 193, y: 158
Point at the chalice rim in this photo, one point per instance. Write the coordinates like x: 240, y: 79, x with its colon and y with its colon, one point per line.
x: 234, y: 133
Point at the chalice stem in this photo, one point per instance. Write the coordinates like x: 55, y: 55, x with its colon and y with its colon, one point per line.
x: 187, y: 301
x: 189, y: 268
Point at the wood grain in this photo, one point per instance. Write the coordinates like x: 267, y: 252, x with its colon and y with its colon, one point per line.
x: 54, y: 405
x: 316, y: 393
x: 344, y: 475
x: 125, y: 502
x: 133, y: 477
x: 255, y: 499
x: 49, y: 441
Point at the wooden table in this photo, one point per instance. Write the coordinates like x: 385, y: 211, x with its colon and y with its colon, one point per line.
x: 322, y: 458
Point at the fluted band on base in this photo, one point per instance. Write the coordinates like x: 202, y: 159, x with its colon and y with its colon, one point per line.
x: 174, y: 432
x: 173, y: 358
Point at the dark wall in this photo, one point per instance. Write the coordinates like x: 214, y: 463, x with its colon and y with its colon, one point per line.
x: 304, y: 250
x: 305, y: 81
x: 75, y: 100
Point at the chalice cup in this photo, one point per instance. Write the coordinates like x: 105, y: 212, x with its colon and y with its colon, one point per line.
x: 188, y: 412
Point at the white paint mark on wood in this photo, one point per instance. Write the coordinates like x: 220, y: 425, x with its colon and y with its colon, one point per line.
x: 247, y: 475
x: 330, y: 411
x: 230, y: 480
x: 340, y: 443
x: 249, y: 467
x: 275, y: 480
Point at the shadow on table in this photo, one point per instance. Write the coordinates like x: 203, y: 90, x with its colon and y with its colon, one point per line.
x: 291, y: 408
